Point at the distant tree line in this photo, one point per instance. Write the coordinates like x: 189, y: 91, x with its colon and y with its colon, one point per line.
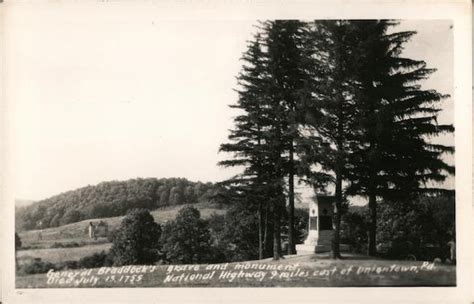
x: 115, y: 198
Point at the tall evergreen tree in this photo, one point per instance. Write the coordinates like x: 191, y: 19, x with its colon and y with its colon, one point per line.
x: 330, y: 118
x: 290, y: 67
x: 274, y: 84
x: 397, y: 118
x: 371, y: 121
x: 249, y: 138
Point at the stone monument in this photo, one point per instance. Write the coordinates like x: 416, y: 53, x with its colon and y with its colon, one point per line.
x: 320, y: 228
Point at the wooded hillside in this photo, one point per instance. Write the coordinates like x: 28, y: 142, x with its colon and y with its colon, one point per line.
x: 113, y: 198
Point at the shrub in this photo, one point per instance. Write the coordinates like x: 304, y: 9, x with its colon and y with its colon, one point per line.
x: 216, y: 226
x: 300, y: 230
x: 186, y: 240
x: 66, y: 245
x: 421, y: 228
x: 37, y: 266
x: 238, y: 239
x: 17, y: 241
x: 354, y: 228
x: 95, y: 260
x: 68, y: 265
x: 136, y: 241
x: 301, y: 225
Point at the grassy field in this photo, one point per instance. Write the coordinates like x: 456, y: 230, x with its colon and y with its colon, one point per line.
x: 40, y: 243
x: 77, y: 232
x: 294, y: 271
x: 56, y: 255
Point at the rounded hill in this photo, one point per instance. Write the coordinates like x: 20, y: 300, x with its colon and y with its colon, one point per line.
x: 114, y: 198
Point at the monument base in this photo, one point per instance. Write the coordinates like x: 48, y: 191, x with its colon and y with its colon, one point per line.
x: 304, y: 249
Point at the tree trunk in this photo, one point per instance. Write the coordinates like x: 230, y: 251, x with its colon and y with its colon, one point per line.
x: 336, y: 254
x: 291, y: 204
x: 265, y: 232
x: 260, y: 241
x: 260, y: 231
x: 372, y: 187
x: 276, y: 234
x: 372, y: 250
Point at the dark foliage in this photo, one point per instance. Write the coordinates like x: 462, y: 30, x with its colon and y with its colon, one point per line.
x: 70, y: 216
x: 37, y: 266
x: 187, y: 239
x: 300, y: 231
x: 235, y: 234
x: 421, y: 228
x: 96, y: 260
x: 354, y: 228
x: 17, y: 241
x: 67, y: 245
x: 68, y: 265
x: 136, y: 241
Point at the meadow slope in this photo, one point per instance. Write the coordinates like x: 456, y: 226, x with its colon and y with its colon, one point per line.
x: 41, y: 243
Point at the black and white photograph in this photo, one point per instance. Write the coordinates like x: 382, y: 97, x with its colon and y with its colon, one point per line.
x: 179, y: 152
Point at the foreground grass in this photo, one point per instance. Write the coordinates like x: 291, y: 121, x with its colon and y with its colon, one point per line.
x: 296, y: 271
x: 57, y: 255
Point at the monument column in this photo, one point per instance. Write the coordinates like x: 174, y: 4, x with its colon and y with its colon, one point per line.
x: 320, y: 230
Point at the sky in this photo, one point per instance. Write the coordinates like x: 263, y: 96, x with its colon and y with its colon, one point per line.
x: 112, y: 98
